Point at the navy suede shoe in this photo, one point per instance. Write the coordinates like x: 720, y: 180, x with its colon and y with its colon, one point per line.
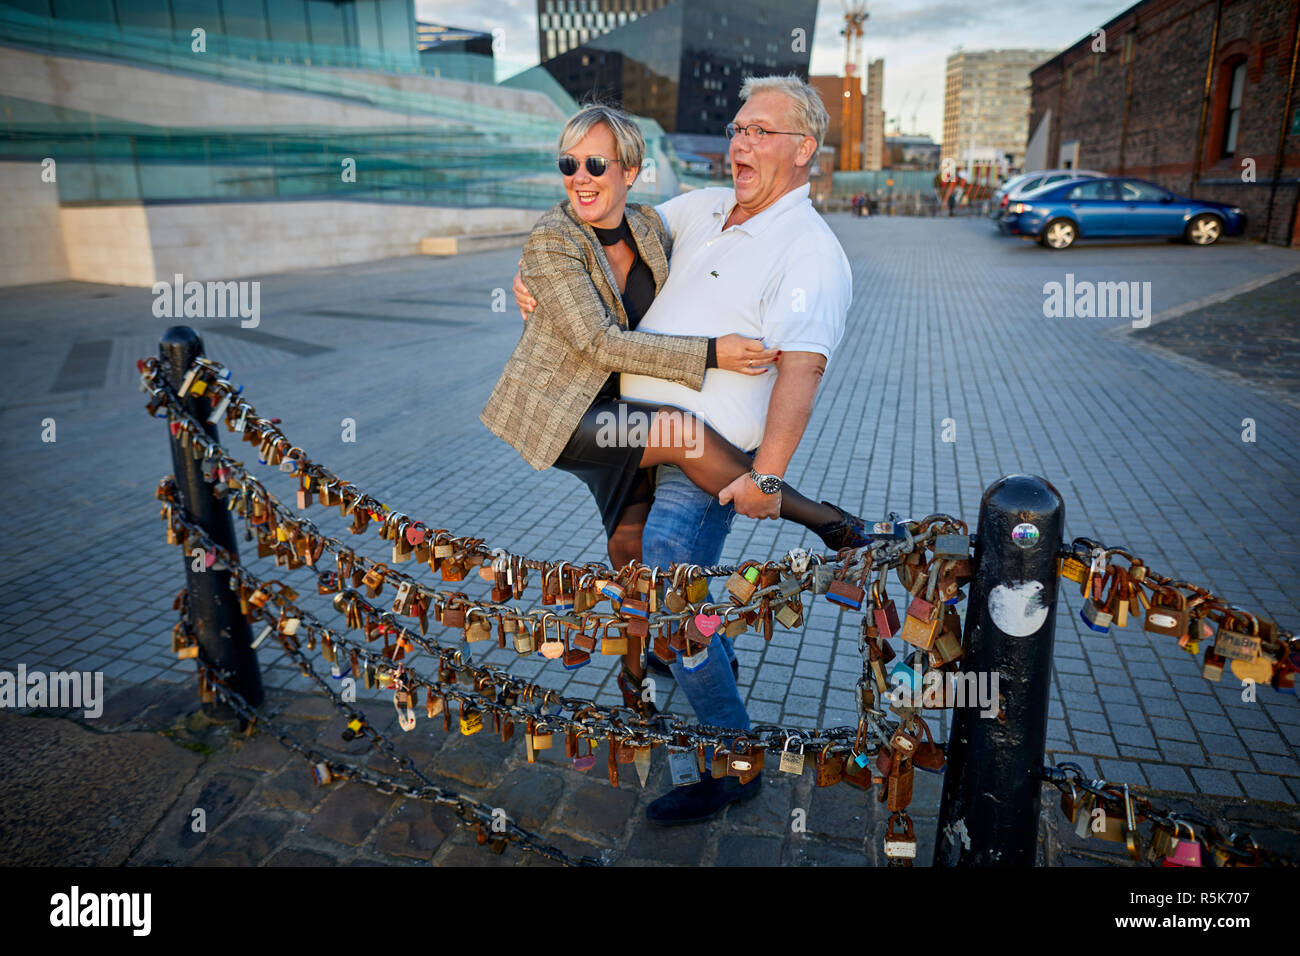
x: 700, y: 801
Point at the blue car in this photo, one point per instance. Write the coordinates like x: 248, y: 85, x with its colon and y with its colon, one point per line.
x: 1114, y: 207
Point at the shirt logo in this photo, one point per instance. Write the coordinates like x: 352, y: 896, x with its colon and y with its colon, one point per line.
x: 714, y: 273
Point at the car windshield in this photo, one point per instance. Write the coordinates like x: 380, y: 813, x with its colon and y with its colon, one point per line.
x: 1029, y: 185
x: 1136, y: 191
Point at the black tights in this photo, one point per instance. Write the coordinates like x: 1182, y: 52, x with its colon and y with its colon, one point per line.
x: 712, y: 463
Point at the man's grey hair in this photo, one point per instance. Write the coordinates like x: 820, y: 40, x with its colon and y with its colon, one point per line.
x: 808, y: 112
x: 629, y: 142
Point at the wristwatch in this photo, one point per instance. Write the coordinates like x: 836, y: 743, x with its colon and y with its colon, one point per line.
x: 768, y: 484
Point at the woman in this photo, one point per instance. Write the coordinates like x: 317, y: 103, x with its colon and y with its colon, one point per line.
x: 594, y: 264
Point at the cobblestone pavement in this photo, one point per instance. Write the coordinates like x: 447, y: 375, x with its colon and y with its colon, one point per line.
x: 947, y: 323
x: 1255, y: 335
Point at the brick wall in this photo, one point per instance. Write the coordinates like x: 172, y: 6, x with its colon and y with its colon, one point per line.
x: 1135, y: 108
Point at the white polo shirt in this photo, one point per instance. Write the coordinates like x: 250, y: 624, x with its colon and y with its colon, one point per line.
x: 780, y: 276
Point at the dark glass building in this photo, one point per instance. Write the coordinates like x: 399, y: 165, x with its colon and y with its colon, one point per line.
x: 683, y: 64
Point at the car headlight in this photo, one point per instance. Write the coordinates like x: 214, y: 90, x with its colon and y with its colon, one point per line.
x: 1236, y: 210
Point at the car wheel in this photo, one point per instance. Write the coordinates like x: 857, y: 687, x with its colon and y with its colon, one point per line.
x: 1058, y: 234
x: 1204, y: 230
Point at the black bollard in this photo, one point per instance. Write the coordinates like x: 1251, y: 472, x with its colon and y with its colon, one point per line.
x: 988, y: 815
x: 222, y: 631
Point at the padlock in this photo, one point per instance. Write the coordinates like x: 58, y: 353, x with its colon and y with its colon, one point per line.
x: 1095, y: 616
x: 884, y: 612
x: 477, y: 628
x: 791, y: 761
x: 471, y: 721
x: 951, y: 547
x: 1238, y: 645
x: 921, y: 624
x: 829, y: 767
x: 682, y: 767
x: 1168, y: 614
x: 947, y: 646
x: 572, y: 658
x: 1212, y: 669
x: 845, y: 593
x: 745, y: 761
x: 617, y: 643
x: 900, y: 838
x: 1186, y: 850
x: 697, y: 587
x: 743, y: 583
x: 1072, y: 569
x: 822, y: 576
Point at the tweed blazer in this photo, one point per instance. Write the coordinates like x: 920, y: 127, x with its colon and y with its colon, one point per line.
x: 578, y: 334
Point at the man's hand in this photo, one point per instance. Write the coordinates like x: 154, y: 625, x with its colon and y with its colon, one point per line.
x: 749, y: 501
x: 527, y: 304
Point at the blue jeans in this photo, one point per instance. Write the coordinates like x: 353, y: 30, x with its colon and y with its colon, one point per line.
x: 687, y: 526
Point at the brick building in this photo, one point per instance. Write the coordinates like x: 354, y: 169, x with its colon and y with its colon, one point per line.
x: 1196, y: 95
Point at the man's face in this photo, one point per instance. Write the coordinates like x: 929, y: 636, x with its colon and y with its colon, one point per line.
x: 764, y: 170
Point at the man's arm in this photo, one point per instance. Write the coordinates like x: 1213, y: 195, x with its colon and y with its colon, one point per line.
x: 788, y: 411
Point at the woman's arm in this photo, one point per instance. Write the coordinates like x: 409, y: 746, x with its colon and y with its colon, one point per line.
x: 555, y: 271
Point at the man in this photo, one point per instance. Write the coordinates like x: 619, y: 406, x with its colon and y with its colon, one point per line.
x: 760, y: 261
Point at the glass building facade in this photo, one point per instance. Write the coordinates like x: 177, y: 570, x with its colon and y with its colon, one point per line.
x: 683, y: 64
x: 375, y: 31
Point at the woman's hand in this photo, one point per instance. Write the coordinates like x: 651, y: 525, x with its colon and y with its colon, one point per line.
x: 736, y: 353
x: 527, y: 304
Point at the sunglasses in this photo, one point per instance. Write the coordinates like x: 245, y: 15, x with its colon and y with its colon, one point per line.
x: 596, y: 165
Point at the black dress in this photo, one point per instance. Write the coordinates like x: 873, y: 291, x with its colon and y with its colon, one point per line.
x: 612, y: 469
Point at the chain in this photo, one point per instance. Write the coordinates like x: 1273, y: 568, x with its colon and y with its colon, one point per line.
x: 473, y: 814
x: 1242, y: 636
x: 493, y: 690
x: 1081, y: 796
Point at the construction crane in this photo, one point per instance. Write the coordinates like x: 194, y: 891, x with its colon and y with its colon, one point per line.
x: 855, y: 14
x: 898, y: 117
x: 916, y: 107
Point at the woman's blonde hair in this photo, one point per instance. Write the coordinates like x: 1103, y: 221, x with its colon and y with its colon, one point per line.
x: 628, y: 141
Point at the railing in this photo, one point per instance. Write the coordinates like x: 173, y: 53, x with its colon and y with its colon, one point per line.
x: 990, y: 805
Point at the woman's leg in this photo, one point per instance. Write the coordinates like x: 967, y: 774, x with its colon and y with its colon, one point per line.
x: 625, y: 546
x: 711, y: 462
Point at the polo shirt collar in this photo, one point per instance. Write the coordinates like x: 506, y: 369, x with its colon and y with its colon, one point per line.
x: 755, y: 225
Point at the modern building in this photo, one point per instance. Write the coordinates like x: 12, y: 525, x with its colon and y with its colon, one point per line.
x: 907, y: 152
x: 874, y: 155
x: 986, y: 110
x: 848, y: 149
x: 681, y: 64
x: 1199, y: 97
x: 563, y: 25
x: 140, y: 139
x: 359, y: 32
x: 455, y: 53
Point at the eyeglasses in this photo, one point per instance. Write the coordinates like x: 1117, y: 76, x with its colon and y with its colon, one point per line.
x: 754, y: 131
x: 596, y: 165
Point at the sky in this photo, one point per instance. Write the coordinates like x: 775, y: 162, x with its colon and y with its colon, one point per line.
x: 914, y: 37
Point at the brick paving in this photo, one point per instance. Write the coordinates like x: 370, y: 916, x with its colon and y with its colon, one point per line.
x: 947, y: 323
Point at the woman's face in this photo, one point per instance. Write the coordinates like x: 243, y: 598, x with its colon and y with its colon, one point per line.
x: 598, y: 200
